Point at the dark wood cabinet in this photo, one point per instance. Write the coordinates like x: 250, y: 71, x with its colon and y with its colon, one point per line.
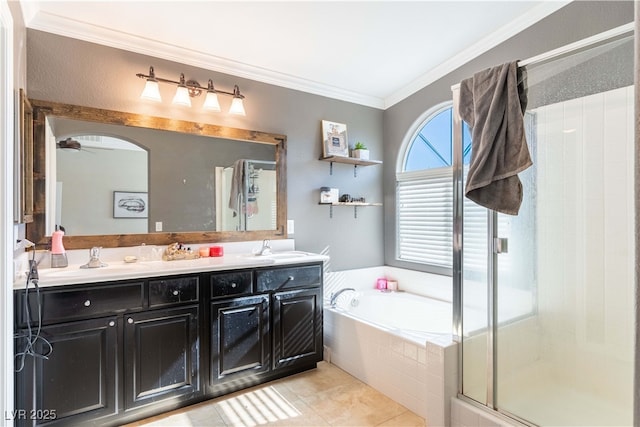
x: 161, y: 356
x: 297, y: 327
x: 240, y: 336
x: 126, y: 350
x: 77, y: 382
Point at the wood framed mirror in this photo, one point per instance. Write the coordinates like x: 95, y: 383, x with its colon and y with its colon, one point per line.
x: 24, y: 203
x: 249, y: 144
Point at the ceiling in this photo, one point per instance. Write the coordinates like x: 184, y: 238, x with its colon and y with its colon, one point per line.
x: 373, y: 53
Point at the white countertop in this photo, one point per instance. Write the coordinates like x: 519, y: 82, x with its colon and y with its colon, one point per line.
x: 117, y: 269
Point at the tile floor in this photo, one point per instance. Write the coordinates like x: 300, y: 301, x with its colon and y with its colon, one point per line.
x: 326, y: 396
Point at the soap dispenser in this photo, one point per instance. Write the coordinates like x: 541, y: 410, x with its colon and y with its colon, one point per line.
x: 58, y: 254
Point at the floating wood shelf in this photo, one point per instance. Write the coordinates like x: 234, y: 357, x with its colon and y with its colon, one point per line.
x: 354, y: 204
x: 350, y: 161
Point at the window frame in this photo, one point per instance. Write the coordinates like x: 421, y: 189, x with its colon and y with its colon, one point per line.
x: 401, y: 175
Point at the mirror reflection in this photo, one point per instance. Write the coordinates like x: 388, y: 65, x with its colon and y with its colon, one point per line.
x: 164, y: 181
x: 190, y: 182
x: 100, y: 186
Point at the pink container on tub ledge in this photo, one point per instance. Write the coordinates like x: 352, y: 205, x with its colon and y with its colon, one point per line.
x: 381, y: 283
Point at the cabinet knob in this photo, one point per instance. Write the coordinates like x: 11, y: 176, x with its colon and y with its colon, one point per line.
x: 291, y: 278
x: 129, y: 320
x: 112, y: 323
x: 175, y: 292
x: 87, y: 303
x: 234, y: 284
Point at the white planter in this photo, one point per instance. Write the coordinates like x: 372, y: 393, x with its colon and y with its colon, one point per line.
x: 361, y: 154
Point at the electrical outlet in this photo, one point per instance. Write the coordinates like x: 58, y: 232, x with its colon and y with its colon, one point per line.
x: 290, y: 227
x: 159, y: 226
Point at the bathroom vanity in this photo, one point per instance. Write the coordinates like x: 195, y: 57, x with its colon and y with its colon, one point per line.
x: 153, y: 339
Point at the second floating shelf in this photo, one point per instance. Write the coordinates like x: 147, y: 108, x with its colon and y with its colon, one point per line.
x: 354, y: 204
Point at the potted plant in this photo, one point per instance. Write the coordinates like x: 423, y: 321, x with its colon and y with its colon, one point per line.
x: 360, y: 151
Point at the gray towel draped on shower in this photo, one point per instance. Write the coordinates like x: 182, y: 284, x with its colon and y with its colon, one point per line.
x: 492, y: 102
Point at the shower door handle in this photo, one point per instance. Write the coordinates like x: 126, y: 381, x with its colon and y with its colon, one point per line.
x: 501, y: 245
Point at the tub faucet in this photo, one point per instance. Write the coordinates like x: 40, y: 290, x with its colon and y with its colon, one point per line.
x: 334, y: 296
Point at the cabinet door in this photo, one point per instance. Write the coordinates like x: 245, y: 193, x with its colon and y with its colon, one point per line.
x: 161, y: 351
x: 239, y: 341
x: 297, y: 327
x: 77, y: 381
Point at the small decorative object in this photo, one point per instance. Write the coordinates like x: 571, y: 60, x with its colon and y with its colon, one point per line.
x: 334, y: 139
x: 127, y: 204
x: 216, y: 251
x: 360, y: 151
x: 345, y: 198
x: 177, y: 251
x: 381, y: 283
x: 328, y: 195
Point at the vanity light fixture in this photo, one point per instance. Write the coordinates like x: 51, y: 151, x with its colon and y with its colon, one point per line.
x: 190, y: 89
x: 151, y: 90
x: 182, y: 94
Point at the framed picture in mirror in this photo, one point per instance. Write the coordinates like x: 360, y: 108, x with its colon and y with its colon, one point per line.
x: 128, y: 204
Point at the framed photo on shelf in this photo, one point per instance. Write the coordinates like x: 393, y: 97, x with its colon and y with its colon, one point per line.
x: 128, y: 204
x: 334, y: 139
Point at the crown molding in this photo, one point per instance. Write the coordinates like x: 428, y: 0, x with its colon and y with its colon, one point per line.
x: 492, y: 40
x: 64, y: 26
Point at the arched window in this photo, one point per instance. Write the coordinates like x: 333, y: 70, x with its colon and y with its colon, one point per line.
x: 424, y: 191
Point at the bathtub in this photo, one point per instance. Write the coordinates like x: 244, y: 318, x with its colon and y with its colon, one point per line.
x: 398, y: 343
x: 400, y: 313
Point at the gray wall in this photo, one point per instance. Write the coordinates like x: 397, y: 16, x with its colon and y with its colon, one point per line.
x: 72, y: 71
x: 574, y: 22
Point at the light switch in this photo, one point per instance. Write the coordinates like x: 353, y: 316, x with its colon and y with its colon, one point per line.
x: 290, y: 227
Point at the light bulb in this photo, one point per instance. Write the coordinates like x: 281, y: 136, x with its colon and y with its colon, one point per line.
x: 182, y: 96
x: 151, y: 91
x: 211, y: 102
x: 237, y: 107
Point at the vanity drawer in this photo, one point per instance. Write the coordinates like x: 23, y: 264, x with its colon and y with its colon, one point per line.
x: 64, y: 304
x: 173, y: 291
x: 289, y: 277
x: 231, y: 284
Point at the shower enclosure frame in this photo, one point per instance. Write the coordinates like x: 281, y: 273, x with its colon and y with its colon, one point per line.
x: 492, y: 237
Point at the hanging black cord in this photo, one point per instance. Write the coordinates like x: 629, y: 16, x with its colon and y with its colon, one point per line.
x: 31, y: 337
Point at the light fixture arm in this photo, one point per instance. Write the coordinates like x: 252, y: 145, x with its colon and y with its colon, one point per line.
x: 195, y: 89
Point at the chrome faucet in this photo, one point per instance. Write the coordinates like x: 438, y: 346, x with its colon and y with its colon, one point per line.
x: 266, y: 248
x: 94, y: 259
x: 334, y: 296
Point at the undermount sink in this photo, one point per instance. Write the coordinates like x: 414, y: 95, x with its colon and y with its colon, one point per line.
x: 279, y: 255
x: 285, y: 255
x: 115, y: 268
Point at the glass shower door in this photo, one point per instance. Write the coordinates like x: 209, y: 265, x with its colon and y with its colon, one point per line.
x: 551, y: 340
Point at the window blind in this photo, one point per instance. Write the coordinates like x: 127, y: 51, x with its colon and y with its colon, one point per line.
x: 425, y: 216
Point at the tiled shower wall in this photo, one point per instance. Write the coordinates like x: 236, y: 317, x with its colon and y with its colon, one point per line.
x: 585, y: 234
x: 585, y: 282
